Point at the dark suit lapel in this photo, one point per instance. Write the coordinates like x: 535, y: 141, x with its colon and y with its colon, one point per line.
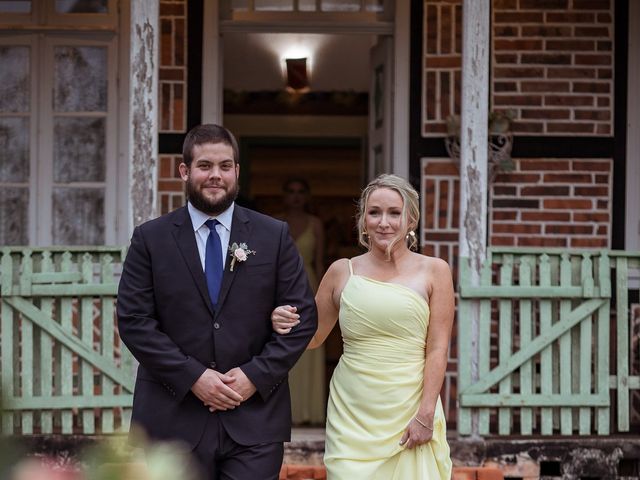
x: 240, y: 232
x: 186, y: 240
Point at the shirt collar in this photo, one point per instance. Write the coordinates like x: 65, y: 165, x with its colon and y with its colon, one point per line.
x: 198, y: 218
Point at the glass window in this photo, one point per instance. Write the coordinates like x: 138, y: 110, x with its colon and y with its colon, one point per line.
x: 376, y: 6
x: 14, y: 78
x: 82, y: 6
x: 274, y: 5
x: 15, y: 6
x: 307, y: 5
x: 78, y: 216
x: 14, y: 211
x: 240, y: 5
x: 79, y: 149
x: 340, y: 6
x: 14, y: 150
x: 80, y: 79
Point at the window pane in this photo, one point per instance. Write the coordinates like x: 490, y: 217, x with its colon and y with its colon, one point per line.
x: 78, y: 150
x: 307, y: 5
x: 82, y: 6
x: 375, y: 6
x: 340, y: 5
x: 274, y: 5
x: 15, y: 6
x: 14, y: 79
x: 240, y: 5
x: 80, y: 79
x: 14, y: 149
x: 78, y: 216
x: 14, y: 211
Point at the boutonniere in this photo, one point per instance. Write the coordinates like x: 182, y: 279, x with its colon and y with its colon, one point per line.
x: 239, y: 253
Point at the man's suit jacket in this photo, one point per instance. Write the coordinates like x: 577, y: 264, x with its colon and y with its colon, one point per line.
x: 166, y: 319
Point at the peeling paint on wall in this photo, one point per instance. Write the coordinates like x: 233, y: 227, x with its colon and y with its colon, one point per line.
x: 144, y: 123
x: 474, y: 228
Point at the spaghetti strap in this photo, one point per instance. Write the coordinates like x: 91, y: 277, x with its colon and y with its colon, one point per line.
x: 350, y: 267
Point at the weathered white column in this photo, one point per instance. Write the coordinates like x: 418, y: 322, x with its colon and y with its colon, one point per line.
x: 143, y: 111
x: 211, y: 63
x: 473, y: 159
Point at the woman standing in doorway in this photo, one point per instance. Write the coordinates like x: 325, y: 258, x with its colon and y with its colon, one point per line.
x: 307, y: 378
x: 385, y: 420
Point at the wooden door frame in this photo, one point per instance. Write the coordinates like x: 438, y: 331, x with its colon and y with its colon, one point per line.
x: 212, y: 61
x: 632, y: 233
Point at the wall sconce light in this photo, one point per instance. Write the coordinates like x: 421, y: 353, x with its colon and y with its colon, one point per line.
x: 297, y: 77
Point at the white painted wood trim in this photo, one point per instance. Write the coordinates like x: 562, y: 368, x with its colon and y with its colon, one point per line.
x: 123, y: 206
x: 212, y: 62
x: 381, y: 135
x: 473, y: 159
x: 44, y: 170
x: 312, y: 26
x: 365, y: 23
x: 400, y: 131
x: 632, y: 234
x: 34, y: 127
x: 473, y: 138
x: 632, y: 220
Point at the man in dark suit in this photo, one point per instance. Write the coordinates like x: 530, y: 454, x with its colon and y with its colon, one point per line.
x: 194, y: 303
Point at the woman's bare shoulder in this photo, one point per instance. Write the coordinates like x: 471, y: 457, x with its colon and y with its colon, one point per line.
x: 426, y: 260
x: 435, y: 265
x: 338, y: 268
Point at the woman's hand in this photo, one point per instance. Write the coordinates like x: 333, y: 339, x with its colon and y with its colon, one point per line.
x: 284, y: 318
x: 416, y: 433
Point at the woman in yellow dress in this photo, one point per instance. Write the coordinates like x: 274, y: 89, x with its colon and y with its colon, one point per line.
x: 307, y: 378
x: 395, y: 308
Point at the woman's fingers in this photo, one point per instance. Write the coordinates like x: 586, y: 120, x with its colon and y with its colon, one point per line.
x: 405, y: 437
x: 284, y: 318
x: 281, y: 331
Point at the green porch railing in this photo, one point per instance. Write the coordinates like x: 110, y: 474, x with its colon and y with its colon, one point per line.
x: 554, y: 350
x: 64, y: 368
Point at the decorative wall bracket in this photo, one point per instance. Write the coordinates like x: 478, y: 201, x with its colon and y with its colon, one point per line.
x: 499, y: 155
x: 500, y: 141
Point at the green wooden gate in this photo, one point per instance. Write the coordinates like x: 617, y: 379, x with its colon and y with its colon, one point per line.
x: 64, y: 369
x: 552, y: 348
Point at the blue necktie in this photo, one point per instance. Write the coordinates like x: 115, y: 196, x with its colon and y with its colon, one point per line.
x: 213, y: 266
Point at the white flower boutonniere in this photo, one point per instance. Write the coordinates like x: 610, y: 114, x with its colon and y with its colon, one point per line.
x: 239, y: 253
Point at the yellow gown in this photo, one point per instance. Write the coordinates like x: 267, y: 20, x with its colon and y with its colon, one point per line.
x: 307, y: 378
x: 377, y: 387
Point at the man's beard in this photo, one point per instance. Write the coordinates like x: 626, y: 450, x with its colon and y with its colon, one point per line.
x: 207, y: 206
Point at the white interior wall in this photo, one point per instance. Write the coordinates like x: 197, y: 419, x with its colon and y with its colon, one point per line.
x: 253, y: 61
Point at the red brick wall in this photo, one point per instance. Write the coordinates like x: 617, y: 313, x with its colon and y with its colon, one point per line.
x: 553, y: 64
x: 172, y: 90
x: 442, y: 48
x: 553, y: 203
x: 170, y: 185
x: 172, y: 87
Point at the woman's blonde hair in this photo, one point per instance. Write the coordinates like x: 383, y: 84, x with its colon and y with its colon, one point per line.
x: 410, y: 209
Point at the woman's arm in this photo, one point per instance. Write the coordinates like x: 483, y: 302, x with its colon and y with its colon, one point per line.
x: 318, y: 260
x: 441, y: 308
x: 284, y: 318
x: 328, y: 300
x: 441, y: 311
